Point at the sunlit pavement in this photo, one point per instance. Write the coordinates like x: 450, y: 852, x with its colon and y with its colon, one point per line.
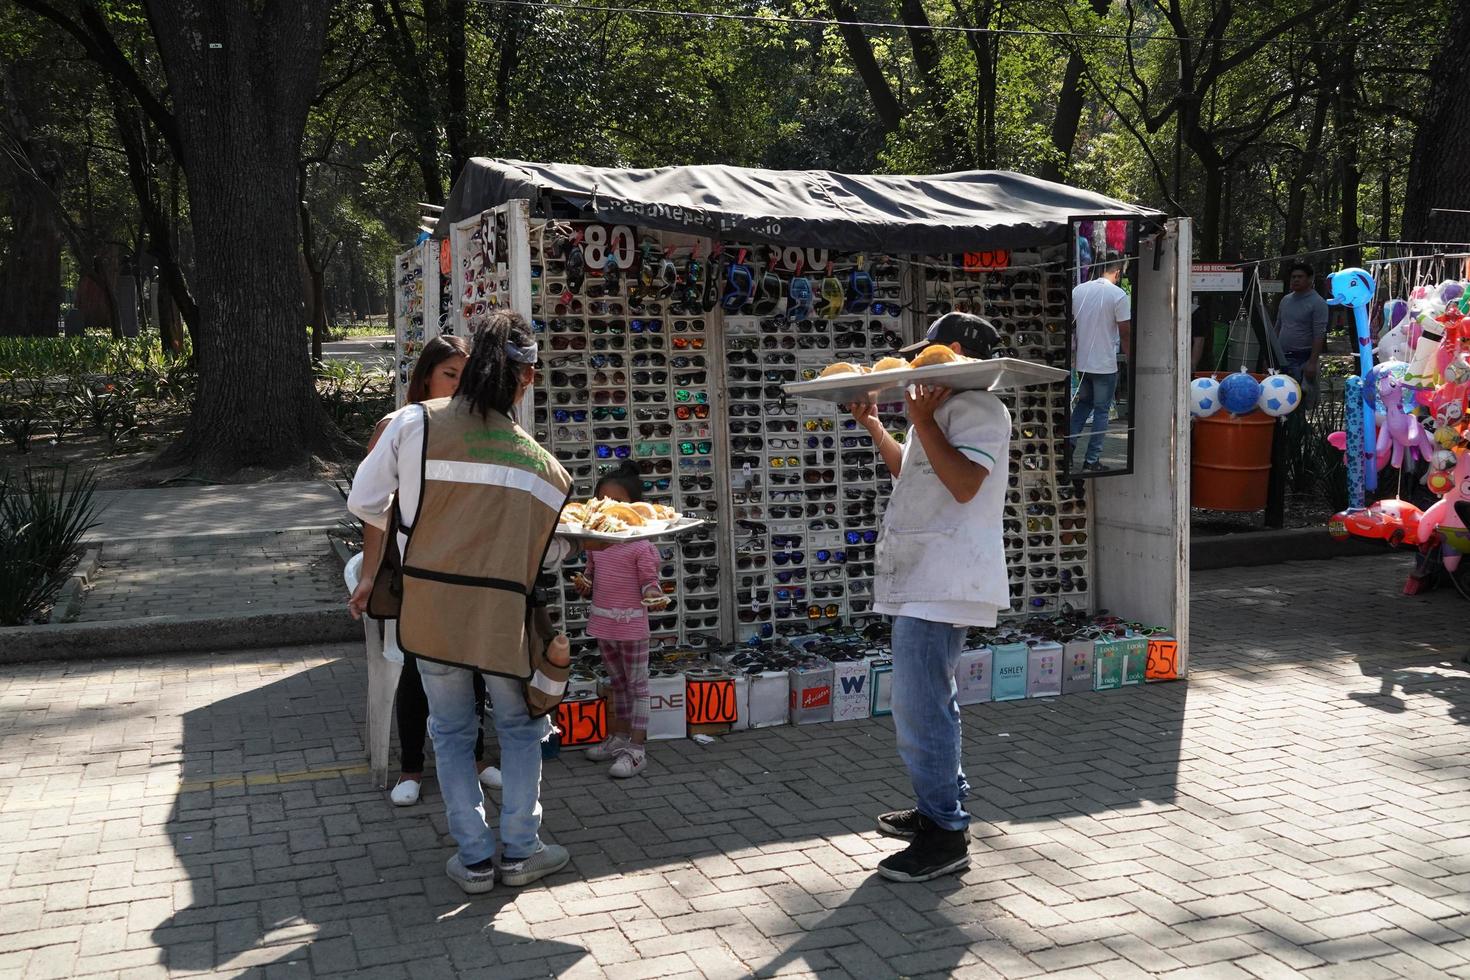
x: 1301, y: 805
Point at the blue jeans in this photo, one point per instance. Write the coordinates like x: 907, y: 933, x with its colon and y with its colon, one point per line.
x: 1094, y: 397
x: 453, y: 727
x: 927, y: 716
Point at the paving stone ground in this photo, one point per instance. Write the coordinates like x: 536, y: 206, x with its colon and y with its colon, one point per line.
x: 214, y: 575
x: 1299, y: 807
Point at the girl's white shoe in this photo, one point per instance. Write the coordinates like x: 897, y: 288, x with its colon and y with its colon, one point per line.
x: 406, y: 793
x: 490, y: 778
x: 631, y: 761
x: 607, y: 749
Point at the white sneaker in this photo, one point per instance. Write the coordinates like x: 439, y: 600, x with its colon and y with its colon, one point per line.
x: 549, y: 860
x: 608, y: 748
x: 473, y: 882
x: 490, y: 777
x: 405, y: 793
x: 630, y: 762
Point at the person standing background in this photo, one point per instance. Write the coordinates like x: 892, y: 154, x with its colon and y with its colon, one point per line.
x: 1301, y: 324
x: 1103, y: 313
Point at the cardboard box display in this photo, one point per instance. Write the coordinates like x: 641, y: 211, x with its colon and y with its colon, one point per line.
x: 666, y: 705
x: 972, y: 676
x: 770, y: 698
x: 581, y: 718
x: 1008, y: 670
x: 851, y: 695
x: 1107, y: 665
x: 1044, y: 670
x: 1077, y: 659
x: 1163, y: 659
x: 880, y: 684
x: 811, y: 692
x: 710, y: 707
x: 1135, y: 659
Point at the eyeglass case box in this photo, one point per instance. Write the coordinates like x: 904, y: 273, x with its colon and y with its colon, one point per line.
x: 1044, y: 670
x: 742, y: 701
x: 666, y: 705
x: 770, y: 698
x: 880, y: 685
x: 972, y: 675
x: 1077, y: 659
x: 851, y: 694
x: 581, y: 682
x: 1135, y: 659
x: 811, y: 692
x: 1107, y: 670
x: 1009, y: 669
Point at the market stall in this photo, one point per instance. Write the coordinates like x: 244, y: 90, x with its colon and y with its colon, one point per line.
x: 673, y: 306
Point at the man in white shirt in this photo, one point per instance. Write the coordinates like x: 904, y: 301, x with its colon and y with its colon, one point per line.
x: 940, y: 568
x: 1103, y: 313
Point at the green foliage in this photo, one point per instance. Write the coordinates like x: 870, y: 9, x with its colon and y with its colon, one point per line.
x: 355, y: 398
x: 53, y: 357
x: 43, y: 515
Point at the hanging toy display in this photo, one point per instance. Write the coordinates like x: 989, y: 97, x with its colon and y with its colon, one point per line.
x: 1280, y: 395
x: 1239, y: 393
x: 1400, y: 438
x: 1354, y: 288
x: 1204, y: 397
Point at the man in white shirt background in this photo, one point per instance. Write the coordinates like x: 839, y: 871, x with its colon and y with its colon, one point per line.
x: 1103, y: 314
x: 940, y: 567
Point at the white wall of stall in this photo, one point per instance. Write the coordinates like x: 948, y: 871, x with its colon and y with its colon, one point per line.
x: 1141, y: 521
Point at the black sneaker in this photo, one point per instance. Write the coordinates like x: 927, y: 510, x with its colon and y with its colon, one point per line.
x: 934, y: 852
x: 903, y: 824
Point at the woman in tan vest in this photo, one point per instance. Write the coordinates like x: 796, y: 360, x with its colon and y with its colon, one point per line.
x: 475, y: 501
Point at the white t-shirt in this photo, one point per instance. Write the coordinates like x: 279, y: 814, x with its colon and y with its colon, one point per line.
x: 1098, y: 307
x: 938, y: 559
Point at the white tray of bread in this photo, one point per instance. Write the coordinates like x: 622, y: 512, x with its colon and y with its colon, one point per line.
x: 844, y: 382
x: 602, y: 519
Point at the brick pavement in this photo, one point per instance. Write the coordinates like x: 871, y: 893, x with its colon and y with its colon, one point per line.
x: 214, y: 575
x: 1297, y: 808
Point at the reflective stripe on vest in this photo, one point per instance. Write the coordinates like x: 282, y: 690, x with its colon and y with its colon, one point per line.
x: 495, y: 475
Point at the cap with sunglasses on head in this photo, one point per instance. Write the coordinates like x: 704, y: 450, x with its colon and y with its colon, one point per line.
x: 975, y: 335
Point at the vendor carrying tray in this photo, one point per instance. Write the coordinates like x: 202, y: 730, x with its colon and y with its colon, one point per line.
x: 999, y: 372
x: 677, y: 526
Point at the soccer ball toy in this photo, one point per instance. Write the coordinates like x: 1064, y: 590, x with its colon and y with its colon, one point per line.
x: 1239, y: 393
x: 1280, y: 395
x: 1204, y: 397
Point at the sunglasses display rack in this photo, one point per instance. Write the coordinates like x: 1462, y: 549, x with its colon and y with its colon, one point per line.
x: 808, y: 485
x: 626, y: 375
x: 415, y: 276
x: 481, y: 272
x: 1046, y: 519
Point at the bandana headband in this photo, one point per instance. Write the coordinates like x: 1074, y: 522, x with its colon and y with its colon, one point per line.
x: 522, y: 355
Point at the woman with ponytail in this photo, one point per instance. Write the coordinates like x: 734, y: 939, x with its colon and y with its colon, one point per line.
x: 472, y: 502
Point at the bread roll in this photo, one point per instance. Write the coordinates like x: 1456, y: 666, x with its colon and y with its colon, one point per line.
x: 626, y: 513
x: 841, y: 367
x: 936, y: 354
x: 890, y: 364
x: 649, y: 512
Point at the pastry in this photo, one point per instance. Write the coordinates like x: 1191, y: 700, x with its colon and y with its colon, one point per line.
x: 890, y: 364
x: 936, y: 354
x: 841, y: 367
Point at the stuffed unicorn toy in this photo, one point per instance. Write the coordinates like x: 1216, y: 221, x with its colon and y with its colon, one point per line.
x: 1401, y: 434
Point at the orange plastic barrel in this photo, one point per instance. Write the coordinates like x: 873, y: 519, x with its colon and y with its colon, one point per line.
x: 1230, y: 460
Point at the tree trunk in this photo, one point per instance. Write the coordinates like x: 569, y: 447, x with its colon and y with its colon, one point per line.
x: 242, y: 77
x: 30, y: 283
x: 860, y: 50
x: 1296, y: 201
x: 1069, y: 110
x: 1439, y: 167
x: 1385, y: 187
x: 445, y: 22
x: 1346, y: 125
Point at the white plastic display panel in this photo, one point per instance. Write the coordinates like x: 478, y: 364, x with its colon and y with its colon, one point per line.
x: 491, y: 270
x: 1046, y: 522
x: 415, y: 286
x: 1141, y: 521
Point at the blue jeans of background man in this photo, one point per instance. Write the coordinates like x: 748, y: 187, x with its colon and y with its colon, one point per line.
x: 453, y: 727
x: 926, y: 716
x: 1094, y: 397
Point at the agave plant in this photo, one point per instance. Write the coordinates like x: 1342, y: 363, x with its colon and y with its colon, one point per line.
x: 43, y: 516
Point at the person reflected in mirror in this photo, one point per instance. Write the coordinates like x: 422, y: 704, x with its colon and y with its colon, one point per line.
x: 1103, y: 314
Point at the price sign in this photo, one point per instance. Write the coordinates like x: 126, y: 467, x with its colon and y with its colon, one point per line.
x: 582, y: 720
x: 996, y: 258
x: 710, y: 702
x: 1163, y: 660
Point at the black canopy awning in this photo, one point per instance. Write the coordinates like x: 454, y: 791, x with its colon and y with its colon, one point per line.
x: 815, y: 208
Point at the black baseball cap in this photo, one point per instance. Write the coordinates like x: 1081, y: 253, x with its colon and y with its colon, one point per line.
x: 975, y: 335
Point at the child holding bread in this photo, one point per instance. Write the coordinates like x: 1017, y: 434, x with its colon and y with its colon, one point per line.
x: 622, y: 581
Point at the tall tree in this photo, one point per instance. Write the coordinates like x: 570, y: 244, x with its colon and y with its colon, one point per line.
x: 1439, y: 169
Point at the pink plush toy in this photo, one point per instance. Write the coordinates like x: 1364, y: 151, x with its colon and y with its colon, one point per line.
x: 1401, y: 432
x: 1443, y: 511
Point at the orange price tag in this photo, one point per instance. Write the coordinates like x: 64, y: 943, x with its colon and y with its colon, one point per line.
x: 996, y: 258
x: 710, y: 702
x: 1163, y: 660
x: 583, y: 721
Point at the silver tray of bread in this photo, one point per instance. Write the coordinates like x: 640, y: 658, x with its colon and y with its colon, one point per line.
x: 844, y: 382
x: 602, y: 519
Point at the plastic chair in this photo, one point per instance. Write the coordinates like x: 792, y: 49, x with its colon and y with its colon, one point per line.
x: 381, y: 641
